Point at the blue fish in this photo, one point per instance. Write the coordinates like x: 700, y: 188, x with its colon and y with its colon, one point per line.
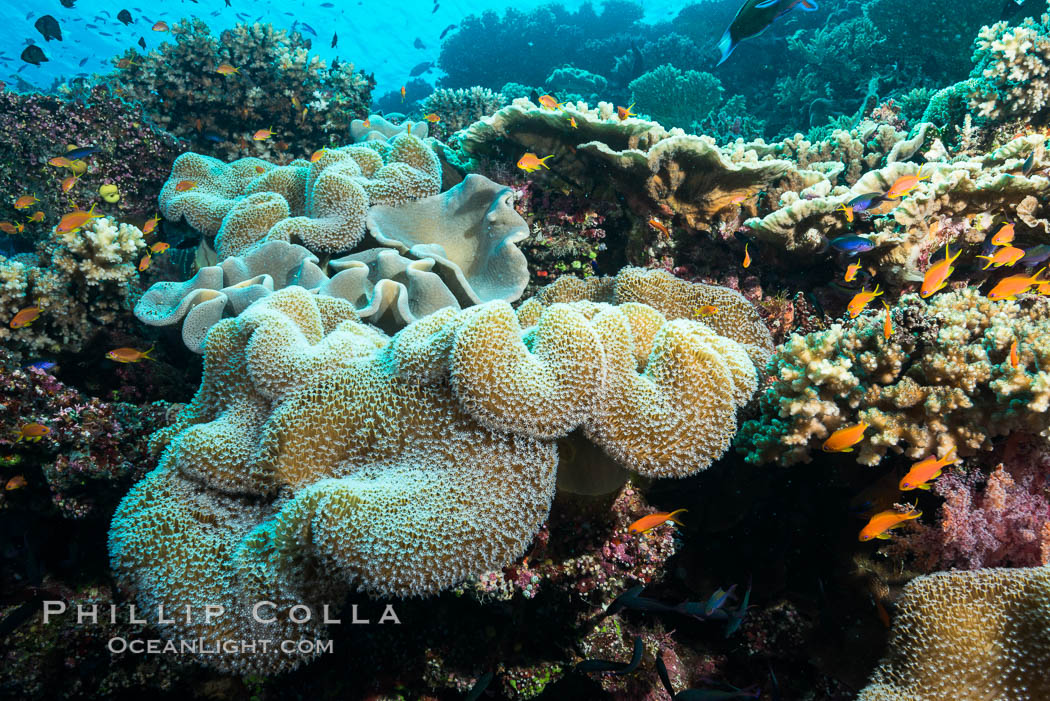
x: 755, y: 17
x: 74, y: 154
x: 213, y: 137
x: 42, y: 365
x: 1035, y: 255
x: 852, y: 244
x: 862, y: 203
x: 308, y: 28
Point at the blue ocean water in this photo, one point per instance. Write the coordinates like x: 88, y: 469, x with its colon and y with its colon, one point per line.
x: 378, y: 37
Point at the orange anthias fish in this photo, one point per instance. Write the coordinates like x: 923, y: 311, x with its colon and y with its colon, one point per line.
x: 572, y: 122
x: 75, y: 220
x: 125, y: 63
x: 160, y: 26
x: 226, y: 69
x: 433, y: 118
x: 25, y: 201
x: 530, y: 162
x: 705, y: 311
x: 145, y: 262
x: 316, y: 155
x: 60, y: 162
x: 260, y: 170
x: 185, y: 185
x: 1010, y: 287
x: 660, y: 226
x: 905, y: 184
x: 843, y: 440
x: 548, y: 102
x: 1004, y: 236
x: 651, y: 521
x: 262, y: 134
x: 936, y: 278
x: 25, y: 317
x: 402, y: 93
x: 1007, y: 255
x: 1015, y: 359
x: 7, y: 227
x: 860, y: 300
x: 747, y: 257
x: 36, y: 217
x: 159, y: 247
x: 129, y: 355
x: 68, y: 183
x: 625, y: 112
x: 887, y: 324
x: 32, y: 432
x: 16, y: 482
x: 926, y: 470
x: 367, y: 123
x: 851, y: 272
x: 884, y: 521
x: 150, y: 225
x: 848, y: 211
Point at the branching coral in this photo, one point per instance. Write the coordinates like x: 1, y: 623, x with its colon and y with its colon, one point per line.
x: 459, y: 108
x: 80, y: 281
x: 277, y: 86
x: 943, y: 379
x: 972, y: 635
x: 288, y: 477
x: 1012, y: 70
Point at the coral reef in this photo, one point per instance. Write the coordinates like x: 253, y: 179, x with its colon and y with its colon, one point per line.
x: 460, y: 108
x: 942, y: 380
x: 277, y: 86
x: 34, y: 128
x: 1012, y: 70
x: 322, y: 204
x: 979, y: 634
x: 455, y: 408
x: 81, y: 281
x: 675, y: 98
x: 454, y: 249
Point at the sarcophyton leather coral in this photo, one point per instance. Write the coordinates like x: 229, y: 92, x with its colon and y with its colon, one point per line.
x: 968, y: 635
x: 454, y: 249
x: 943, y: 379
x: 321, y: 204
x: 321, y: 456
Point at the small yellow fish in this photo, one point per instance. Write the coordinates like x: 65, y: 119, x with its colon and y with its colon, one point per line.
x: 887, y: 324
x: 922, y: 472
x: 548, y: 102
x: 625, y: 112
x: 843, y: 440
x: 705, y: 311
x: 402, y: 93
x: 848, y: 211
x: 747, y: 257
x: 531, y: 162
x: 646, y: 523
x: 150, y: 225
x: 60, y: 162
x: 433, y: 118
x: 185, y: 185
x: 68, y: 183
x: 263, y: 134
x: 145, y: 262
x: 1006, y: 255
x: 32, y: 432
x: 936, y: 278
x: 75, y: 220
x: 129, y: 355
x: 159, y: 247
x: 1004, y: 236
x: 882, y: 522
x: 316, y: 155
x: 851, y: 271
x: 36, y: 217
x: 16, y: 482
x: 25, y: 317
x: 1010, y: 287
x: 860, y: 300
x: 226, y: 69
x: 905, y: 184
x: 25, y: 201
x: 572, y: 122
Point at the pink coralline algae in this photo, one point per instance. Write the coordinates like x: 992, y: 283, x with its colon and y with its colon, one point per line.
x: 1000, y: 519
x: 34, y: 128
x: 92, y: 449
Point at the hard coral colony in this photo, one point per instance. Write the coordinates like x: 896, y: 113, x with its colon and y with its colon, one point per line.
x: 488, y: 374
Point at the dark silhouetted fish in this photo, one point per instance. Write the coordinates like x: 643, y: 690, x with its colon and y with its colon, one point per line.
x: 852, y: 244
x: 1028, y: 165
x: 33, y: 54
x: 418, y: 43
x: 68, y: 3
x: 82, y: 62
x: 436, y: 8
x: 48, y: 27
x: 420, y: 68
x: 754, y: 18
x: 228, y: 3
x: 213, y: 137
x: 335, y: 39
x: 614, y: 667
x: 327, y: 4
x: 308, y: 28
x: 446, y: 30
x: 142, y: 42
x: 125, y: 17
x: 1035, y: 255
x: 81, y: 152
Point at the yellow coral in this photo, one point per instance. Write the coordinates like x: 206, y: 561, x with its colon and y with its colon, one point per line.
x: 969, y: 635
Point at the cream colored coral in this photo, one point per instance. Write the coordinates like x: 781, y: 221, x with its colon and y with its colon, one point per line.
x: 321, y: 455
x: 980, y: 634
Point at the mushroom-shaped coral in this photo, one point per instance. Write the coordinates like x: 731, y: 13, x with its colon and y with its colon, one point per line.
x: 321, y: 455
x: 969, y: 635
x: 321, y: 205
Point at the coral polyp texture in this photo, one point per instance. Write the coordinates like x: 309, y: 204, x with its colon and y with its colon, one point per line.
x: 277, y: 86
x: 321, y: 204
x: 968, y: 635
x: 943, y: 379
x: 1012, y: 70
x: 322, y: 455
x: 453, y: 249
